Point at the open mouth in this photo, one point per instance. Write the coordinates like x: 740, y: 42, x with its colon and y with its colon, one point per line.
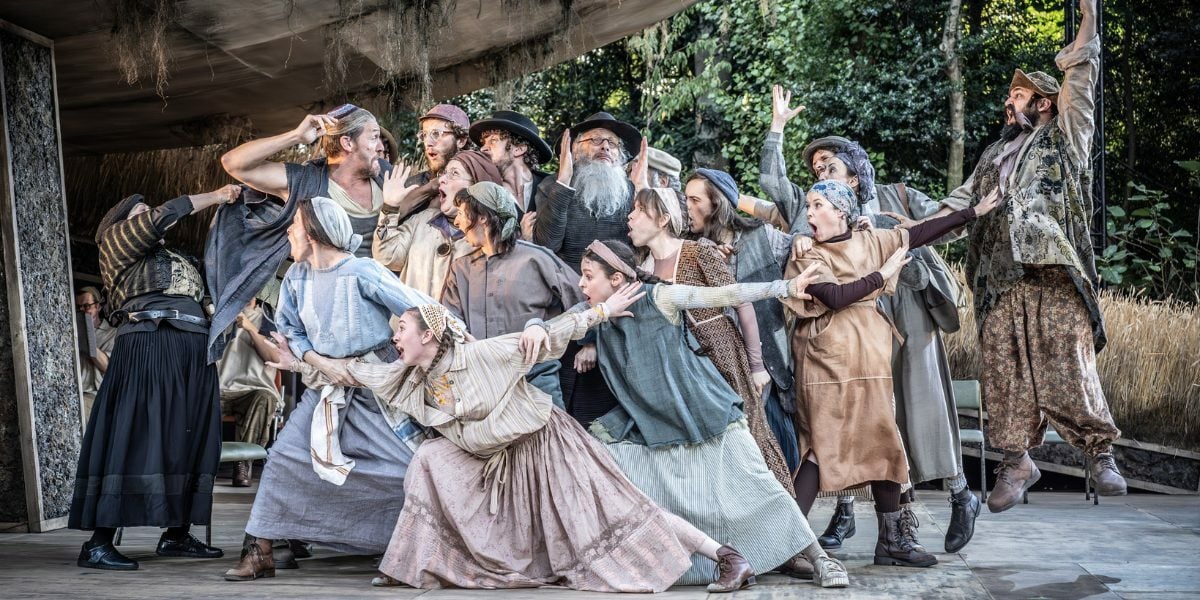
x: 814, y: 229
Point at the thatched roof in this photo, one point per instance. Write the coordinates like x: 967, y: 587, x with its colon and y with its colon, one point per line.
x: 260, y: 65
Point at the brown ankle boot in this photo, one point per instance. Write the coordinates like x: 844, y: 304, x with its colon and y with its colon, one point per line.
x: 897, y: 544
x: 257, y: 561
x: 241, y: 474
x: 735, y: 572
x: 1014, y: 476
x: 1106, y: 477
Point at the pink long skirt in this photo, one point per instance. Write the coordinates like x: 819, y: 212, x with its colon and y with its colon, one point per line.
x: 566, y: 516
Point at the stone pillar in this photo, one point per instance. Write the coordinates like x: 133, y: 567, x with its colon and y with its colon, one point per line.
x: 40, y: 414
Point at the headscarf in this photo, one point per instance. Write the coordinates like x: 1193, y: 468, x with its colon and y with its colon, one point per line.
x: 840, y: 195
x: 437, y: 318
x: 336, y: 223
x: 857, y: 160
x: 349, y: 117
x: 117, y: 214
x: 478, y: 166
x: 604, y: 253
x: 668, y: 205
x: 724, y: 182
x: 495, y: 197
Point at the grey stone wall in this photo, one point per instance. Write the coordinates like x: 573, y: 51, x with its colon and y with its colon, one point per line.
x: 30, y: 123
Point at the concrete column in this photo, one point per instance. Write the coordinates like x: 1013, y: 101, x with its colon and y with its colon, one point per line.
x: 40, y: 414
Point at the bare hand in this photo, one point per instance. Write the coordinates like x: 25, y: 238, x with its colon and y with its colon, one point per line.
x: 623, y: 299
x: 246, y: 324
x: 284, y: 359
x: 313, y: 127
x: 799, y: 283
x: 726, y: 249
x: 566, y: 160
x: 532, y: 341
x: 760, y: 381
x: 989, y: 203
x: 801, y: 244
x: 528, y: 220
x: 863, y: 223
x: 335, y: 369
x: 780, y: 112
x: 904, y: 222
x: 639, y: 173
x: 585, y: 359
x: 228, y: 193
x: 395, y: 193
x: 895, y: 262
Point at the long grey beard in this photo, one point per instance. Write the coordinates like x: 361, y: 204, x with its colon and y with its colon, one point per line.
x: 603, y: 189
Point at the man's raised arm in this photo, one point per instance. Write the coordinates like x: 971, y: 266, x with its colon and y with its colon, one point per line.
x: 248, y: 163
x: 1080, y: 64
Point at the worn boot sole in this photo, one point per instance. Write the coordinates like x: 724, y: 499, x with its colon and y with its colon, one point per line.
x: 260, y: 575
x: 835, y: 581
x: 1037, y: 474
x: 891, y: 561
x: 752, y: 580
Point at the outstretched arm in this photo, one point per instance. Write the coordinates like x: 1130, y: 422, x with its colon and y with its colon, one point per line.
x: 1080, y: 64
x: 671, y: 299
x: 248, y: 163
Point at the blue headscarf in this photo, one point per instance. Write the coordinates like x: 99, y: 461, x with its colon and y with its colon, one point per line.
x: 724, y: 182
x: 840, y: 196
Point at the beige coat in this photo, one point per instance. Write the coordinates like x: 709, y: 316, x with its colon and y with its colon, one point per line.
x: 845, y: 414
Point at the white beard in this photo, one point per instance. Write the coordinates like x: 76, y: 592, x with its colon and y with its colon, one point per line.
x: 602, y: 188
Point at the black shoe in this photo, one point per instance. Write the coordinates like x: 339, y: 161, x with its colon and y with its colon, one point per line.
x: 841, y: 526
x: 104, y: 556
x: 187, y: 547
x: 300, y: 548
x: 964, y: 507
x: 284, y: 557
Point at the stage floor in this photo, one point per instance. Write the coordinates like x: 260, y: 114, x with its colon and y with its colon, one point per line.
x: 1058, y: 546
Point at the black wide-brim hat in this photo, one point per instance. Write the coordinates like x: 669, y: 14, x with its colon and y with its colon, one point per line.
x: 117, y: 214
x: 628, y: 134
x: 517, y: 124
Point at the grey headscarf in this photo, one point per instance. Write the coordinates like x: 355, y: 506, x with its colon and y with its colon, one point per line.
x: 840, y: 195
x: 859, y: 164
x: 499, y: 200
x: 336, y: 224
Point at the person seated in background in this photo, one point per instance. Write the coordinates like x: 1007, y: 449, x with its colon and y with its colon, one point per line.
x: 92, y: 366
x: 248, y: 390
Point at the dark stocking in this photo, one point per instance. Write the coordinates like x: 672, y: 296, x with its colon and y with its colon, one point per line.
x: 103, y: 535
x: 807, y: 485
x: 887, y: 496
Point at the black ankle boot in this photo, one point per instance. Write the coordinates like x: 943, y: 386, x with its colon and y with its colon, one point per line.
x: 841, y: 526
x: 964, y: 507
x: 186, y: 546
x: 105, y: 556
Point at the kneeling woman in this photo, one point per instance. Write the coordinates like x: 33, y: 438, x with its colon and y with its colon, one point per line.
x: 335, y: 476
x: 515, y: 494
x: 843, y: 346
x: 680, y: 432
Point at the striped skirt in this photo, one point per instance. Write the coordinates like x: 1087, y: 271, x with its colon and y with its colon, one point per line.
x: 723, y: 487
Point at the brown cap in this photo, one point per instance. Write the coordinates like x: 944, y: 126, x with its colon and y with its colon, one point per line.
x: 448, y: 112
x: 1037, y: 81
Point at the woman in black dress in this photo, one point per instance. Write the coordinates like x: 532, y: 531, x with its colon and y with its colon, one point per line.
x: 153, y: 439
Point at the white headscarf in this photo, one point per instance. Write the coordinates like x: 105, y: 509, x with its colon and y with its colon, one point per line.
x: 336, y: 223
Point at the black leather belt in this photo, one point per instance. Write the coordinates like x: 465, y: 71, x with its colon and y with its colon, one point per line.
x: 171, y: 315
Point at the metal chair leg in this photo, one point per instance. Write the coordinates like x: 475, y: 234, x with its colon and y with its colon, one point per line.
x: 1025, y: 497
x: 117, y: 540
x: 983, y: 471
x: 208, y: 535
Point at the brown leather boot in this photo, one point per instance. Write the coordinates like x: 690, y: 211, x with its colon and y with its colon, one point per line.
x: 257, y: 561
x: 1106, y: 477
x: 897, y: 544
x: 798, y: 567
x: 241, y: 474
x: 735, y: 572
x: 1014, y: 476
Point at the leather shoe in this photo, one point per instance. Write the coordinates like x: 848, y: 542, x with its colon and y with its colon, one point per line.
x: 735, y: 572
x: 1107, y: 478
x: 798, y: 567
x: 241, y: 473
x: 257, y: 561
x: 104, y: 556
x: 964, y: 507
x: 841, y: 526
x: 187, y: 546
x: 1014, y: 477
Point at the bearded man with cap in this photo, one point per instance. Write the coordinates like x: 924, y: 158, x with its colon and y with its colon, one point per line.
x: 153, y: 439
x: 420, y: 248
x: 442, y: 135
x: 514, y: 144
x: 1033, y: 272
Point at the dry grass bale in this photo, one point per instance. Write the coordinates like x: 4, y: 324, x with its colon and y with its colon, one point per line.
x: 1150, y: 369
